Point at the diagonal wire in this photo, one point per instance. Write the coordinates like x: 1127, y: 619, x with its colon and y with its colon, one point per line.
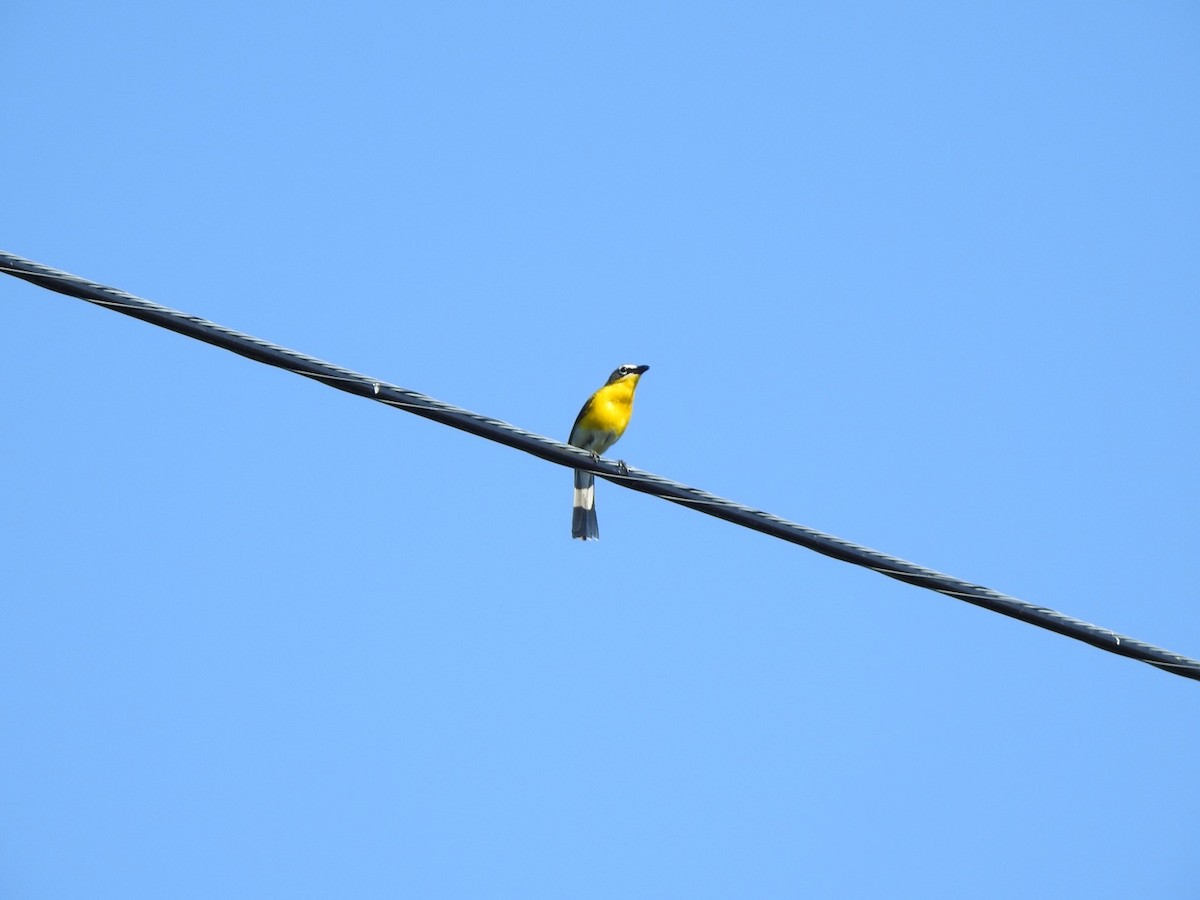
x: 572, y: 457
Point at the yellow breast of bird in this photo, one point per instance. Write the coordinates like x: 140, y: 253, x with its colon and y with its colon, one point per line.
x: 607, y: 416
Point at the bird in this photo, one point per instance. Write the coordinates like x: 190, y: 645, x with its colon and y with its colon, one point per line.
x: 598, y: 426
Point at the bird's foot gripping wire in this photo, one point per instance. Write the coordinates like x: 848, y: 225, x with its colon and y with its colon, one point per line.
x: 624, y: 468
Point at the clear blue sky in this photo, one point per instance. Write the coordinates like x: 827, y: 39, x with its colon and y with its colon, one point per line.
x: 925, y: 276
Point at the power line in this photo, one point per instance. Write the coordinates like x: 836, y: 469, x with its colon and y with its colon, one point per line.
x: 565, y: 455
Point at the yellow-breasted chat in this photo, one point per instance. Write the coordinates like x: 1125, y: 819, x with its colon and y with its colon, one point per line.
x: 598, y: 426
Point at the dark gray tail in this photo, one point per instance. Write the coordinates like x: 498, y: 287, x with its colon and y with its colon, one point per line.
x: 583, y: 514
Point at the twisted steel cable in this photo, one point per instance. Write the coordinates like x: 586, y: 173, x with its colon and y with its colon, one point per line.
x: 571, y: 457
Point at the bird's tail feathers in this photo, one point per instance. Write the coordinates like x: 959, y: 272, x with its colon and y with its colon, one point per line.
x: 584, y: 524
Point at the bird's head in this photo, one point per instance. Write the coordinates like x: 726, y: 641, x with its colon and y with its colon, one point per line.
x: 627, y: 372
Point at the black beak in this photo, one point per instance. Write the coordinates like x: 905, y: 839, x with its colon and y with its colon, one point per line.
x: 641, y: 369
